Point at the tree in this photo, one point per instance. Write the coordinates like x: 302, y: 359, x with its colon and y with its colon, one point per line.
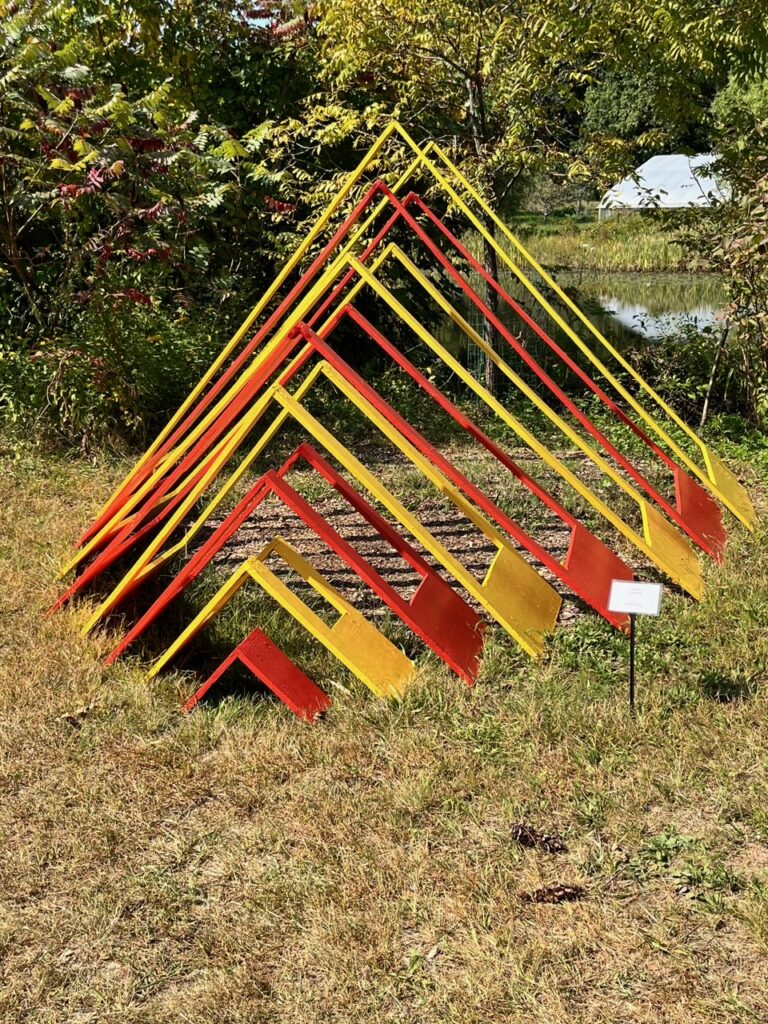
x: 498, y: 81
x: 733, y: 238
x: 629, y: 115
x: 130, y: 217
x: 156, y: 159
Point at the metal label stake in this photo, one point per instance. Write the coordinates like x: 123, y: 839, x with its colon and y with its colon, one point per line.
x: 632, y: 665
x: 632, y: 598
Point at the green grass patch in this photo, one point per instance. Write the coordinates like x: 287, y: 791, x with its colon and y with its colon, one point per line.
x: 629, y: 242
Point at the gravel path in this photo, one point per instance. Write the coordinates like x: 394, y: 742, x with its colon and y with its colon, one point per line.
x: 454, y: 531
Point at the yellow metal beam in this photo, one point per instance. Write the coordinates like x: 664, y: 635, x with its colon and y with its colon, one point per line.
x: 715, y: 476
x: 527, y: 611
x: 352, y: 638
x: 659, y: 541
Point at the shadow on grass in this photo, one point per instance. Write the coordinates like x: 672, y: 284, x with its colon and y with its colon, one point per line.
x: 724, y: 689
x: 237, y: 683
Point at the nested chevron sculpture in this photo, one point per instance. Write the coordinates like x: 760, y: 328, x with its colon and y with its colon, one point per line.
x: 435, y: 613
x: 286, y: 350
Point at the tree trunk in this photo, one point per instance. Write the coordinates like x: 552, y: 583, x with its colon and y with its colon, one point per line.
x: 713, y: 375
x: 493, y: 376
x: 16, y: 261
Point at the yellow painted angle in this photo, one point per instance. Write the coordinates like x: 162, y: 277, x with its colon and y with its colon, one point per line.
x: 660, y: 541
x: 715, y: 476
x: 526, y: 606
x: 352, y: 638
x: 527, y: 611
x: 727, y: 488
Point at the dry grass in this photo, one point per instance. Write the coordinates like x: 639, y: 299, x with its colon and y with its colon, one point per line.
x: 238, y: 866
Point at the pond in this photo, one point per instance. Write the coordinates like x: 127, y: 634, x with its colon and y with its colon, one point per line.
x: 630, y: 309
x: 651, y: 306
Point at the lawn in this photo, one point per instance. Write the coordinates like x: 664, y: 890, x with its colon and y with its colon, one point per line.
x: 237, y: 865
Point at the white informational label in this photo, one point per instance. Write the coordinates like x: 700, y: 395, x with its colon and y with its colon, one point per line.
x: 635, y: 598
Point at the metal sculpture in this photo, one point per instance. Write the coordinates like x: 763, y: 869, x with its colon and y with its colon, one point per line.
x: 658, y: 540
x: 436, y: 613
x: 148, y: 516
x: 589, y: 566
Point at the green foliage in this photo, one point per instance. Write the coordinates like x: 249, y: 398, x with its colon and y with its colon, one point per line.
x: 133, y: 224
x: 659, y: 76
x: 624, y: 104
x: 740, y: 109
x: 631, y: 114
x: 120, y: 368
x: 157, y: 160
x: 500, y: 81
x: 732, y: 238
x: 680, y: 367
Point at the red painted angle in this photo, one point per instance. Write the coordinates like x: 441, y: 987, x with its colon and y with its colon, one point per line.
x: 137, y: 478
x: 447, y: 625
x: 700, y: 518
x: 700, y: 515
x: 605, y: 566
x: 276, y: 671
x: 696, y: 506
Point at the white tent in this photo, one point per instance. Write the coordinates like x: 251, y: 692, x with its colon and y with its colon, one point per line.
x: 669, y: 182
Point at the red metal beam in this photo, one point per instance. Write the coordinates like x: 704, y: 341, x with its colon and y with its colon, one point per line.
x: 436, y: 613
x: 268, y: 664
x: 695, y: 511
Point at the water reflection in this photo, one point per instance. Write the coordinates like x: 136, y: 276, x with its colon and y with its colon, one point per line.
x: 629, y: 309
x: 654, y: 307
